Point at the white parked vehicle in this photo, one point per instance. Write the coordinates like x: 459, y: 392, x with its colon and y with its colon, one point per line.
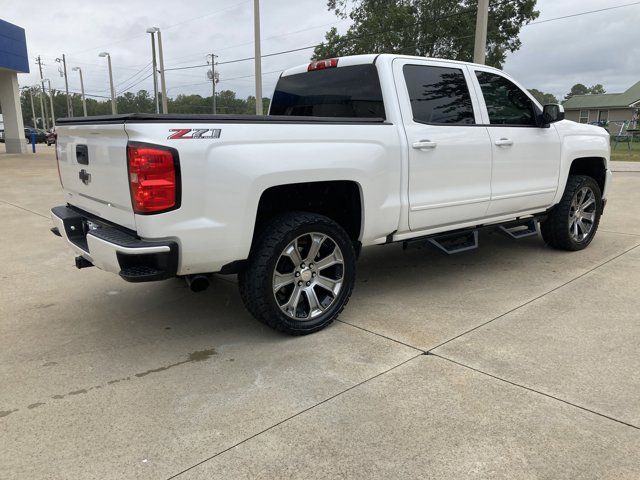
x: 355, y: 151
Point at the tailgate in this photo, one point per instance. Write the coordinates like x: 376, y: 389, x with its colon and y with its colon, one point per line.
x: 93, y: 169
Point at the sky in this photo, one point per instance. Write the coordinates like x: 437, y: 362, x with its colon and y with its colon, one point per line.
x: 602, y: 47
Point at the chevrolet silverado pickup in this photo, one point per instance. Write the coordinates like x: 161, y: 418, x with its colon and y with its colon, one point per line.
x: 355, y: 151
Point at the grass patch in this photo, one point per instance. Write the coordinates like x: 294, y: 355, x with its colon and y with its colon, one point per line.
x: 623, y: 154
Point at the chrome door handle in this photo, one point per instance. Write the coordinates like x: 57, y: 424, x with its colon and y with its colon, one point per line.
x: 424, y: 144
x: 504, y: 142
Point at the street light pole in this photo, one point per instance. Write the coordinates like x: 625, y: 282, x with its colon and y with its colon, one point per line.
x: 152, y: 32
x: 66, y: 85
x: 114, y: 107
x: 480, y: 46
x: 213, y: 79
x: 53, y: 114
x: 257, y: 56
x: 84, y: 101
x: 163, y: 85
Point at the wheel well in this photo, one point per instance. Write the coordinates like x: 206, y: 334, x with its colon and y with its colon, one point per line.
x: 593, y: 167
x: 338, y: 200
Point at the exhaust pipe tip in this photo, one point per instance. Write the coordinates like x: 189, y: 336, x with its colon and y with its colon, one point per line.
x: 197, y: 283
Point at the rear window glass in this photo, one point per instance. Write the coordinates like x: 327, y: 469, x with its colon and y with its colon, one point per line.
x: 439, y: 95
x: 334, y: 92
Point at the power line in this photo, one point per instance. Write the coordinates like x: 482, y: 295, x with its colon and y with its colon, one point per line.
x: 582, y: 13
x: 465, y: 11
x: 225, y: 79
x: 469, y: 10
x: 461, y: 12
x: 134, y: 84
x: 199, y: 17
x: 263, y: 40
x: 142, y: 70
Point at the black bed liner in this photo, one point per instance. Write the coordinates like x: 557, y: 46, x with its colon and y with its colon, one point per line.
x: 208, y: 118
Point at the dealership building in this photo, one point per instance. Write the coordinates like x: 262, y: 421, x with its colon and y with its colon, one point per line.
x: 13, y: 60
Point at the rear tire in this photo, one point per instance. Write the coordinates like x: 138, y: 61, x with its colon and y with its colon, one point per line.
x: 572, y: 224
x: 300, y: 273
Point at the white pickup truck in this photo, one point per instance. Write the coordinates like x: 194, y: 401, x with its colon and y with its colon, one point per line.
x: 355, y: 151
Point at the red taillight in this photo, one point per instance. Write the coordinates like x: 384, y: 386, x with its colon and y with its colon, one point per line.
x: 322, y: 64
x: 153, y: 178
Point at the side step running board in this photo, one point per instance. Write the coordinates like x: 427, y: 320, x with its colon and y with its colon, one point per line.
x: 456, y: 242
x: 520, y: 229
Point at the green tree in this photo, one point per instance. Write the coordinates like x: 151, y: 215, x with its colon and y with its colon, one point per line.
x: 543, y: 98
x: 580, y: 89
x: 577, y: 89
x: 433, y: 28
x: 140, y: 102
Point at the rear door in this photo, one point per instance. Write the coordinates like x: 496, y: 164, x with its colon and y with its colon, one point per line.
x: 526, y: 157
x: 449, y: 154
x: 93, y: 170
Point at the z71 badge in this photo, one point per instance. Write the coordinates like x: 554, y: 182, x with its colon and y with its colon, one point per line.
x: 193, y: 133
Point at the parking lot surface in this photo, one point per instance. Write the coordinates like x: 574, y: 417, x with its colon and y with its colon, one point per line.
x: 510, y: 361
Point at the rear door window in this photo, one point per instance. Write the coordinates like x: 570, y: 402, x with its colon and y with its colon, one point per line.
x: 352, y: 91
x: 438, y: 95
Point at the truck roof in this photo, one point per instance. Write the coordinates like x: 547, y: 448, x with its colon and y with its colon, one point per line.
x: 350, y: 60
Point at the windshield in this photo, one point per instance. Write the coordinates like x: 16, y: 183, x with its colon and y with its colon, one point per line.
x: 333, y: 92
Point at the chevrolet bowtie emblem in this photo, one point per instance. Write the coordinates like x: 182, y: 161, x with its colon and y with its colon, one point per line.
x: 84, y: 176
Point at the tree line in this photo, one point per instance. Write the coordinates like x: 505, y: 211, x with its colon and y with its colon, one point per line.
x: 227, y: 102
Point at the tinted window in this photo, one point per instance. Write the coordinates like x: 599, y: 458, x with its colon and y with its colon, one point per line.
x: 506, y: 103
x: 334, y: 92
x: 438, y: 95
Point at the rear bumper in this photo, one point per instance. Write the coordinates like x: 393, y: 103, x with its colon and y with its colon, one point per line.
x: 115, y: 249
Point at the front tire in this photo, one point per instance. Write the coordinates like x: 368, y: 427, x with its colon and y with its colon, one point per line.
x: 572, y: 224
x: 300, y: 273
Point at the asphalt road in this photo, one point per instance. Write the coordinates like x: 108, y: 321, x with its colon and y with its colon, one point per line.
x: 511, y: 361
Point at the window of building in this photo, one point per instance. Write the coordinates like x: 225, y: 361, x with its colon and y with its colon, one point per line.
x: 584, y: 116
x: 603, y: 115
x: 506, y: 103
x: 439, y: 95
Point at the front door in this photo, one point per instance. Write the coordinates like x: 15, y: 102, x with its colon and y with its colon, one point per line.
x: 526, y: 156
x: 449, y: 154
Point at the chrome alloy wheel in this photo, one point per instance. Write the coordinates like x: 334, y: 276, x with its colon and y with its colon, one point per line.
x: 582, y: 214
x: 308, y: 276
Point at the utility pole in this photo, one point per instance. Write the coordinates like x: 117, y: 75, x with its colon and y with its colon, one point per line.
x: 42, y: 104
x: 163, y: 85
x: 480, y: 46
x: 66, y: 85
x: 53, y: 115
x: 213, y: 75
x: 152, y: 31
x: 84, y: 101
x: 42, y: 111
x: 33, y: 110
x: 258, y: 58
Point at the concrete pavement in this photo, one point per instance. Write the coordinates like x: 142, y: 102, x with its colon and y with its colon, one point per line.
x: 531, y: 372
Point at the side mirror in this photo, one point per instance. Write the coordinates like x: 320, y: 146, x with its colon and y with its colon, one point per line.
x: 552, y: 113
